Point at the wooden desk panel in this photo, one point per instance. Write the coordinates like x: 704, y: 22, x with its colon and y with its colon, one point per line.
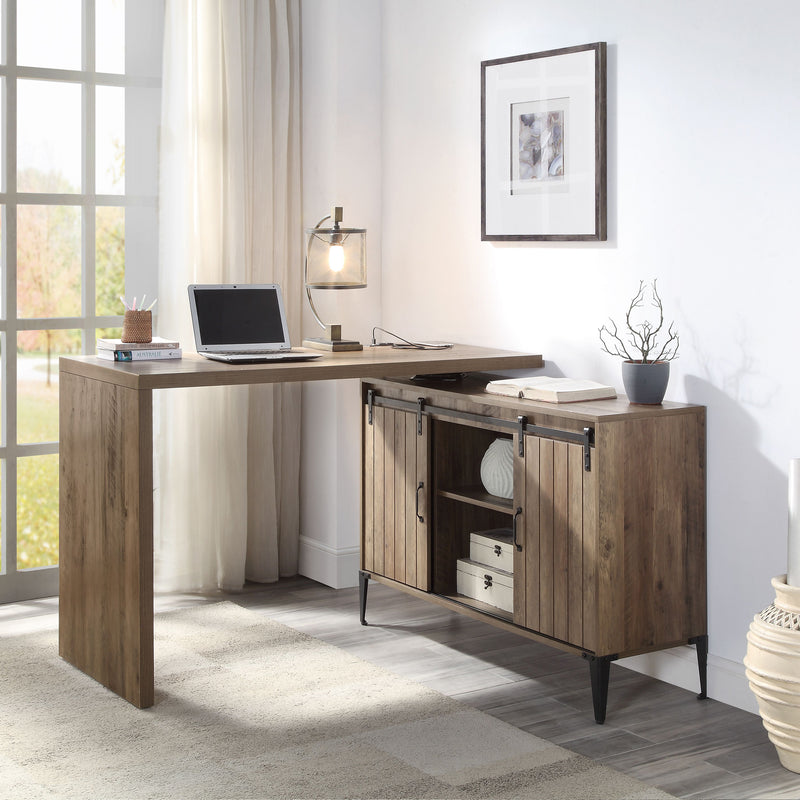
x: 106, y: 534
x: 375, y: 362
x: 106, y: 487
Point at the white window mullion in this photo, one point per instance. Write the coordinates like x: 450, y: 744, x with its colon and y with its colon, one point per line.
x: 6, y: 46
x: 9, y: 399
x: 88, y: 221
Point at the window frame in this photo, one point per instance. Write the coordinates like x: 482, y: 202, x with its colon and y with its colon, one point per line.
x: 141, y: 109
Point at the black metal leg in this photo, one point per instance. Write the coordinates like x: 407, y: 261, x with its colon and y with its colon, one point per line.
x: 701, y: 643
x: 599, y: 671
x: 363, y: 583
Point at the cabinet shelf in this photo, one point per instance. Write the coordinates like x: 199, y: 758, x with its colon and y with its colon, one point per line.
x: 479, y: 605
x: 477, y: 496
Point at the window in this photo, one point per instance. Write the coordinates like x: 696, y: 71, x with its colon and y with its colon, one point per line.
x: 79, y: 97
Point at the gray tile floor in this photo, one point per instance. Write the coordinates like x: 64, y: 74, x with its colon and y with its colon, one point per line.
x: 655, y: 732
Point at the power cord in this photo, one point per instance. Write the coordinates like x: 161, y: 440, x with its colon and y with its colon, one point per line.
x: 406, y: 344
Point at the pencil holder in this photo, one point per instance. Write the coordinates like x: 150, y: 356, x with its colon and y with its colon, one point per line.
x: 137, y: 326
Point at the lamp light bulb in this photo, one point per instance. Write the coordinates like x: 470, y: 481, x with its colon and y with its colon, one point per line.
x: 336, y: 257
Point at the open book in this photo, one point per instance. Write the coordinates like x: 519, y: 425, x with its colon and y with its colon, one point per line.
x: 551, y: 390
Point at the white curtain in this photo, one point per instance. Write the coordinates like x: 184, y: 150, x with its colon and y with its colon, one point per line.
x: 227, y: 459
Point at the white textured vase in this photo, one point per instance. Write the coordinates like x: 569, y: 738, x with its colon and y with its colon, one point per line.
x: 497, y: 468
x: 772, y: 666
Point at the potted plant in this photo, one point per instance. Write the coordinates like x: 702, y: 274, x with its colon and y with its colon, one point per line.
x: 645, y: 349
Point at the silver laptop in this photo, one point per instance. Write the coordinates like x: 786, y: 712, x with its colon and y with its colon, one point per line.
x: 242, y: 323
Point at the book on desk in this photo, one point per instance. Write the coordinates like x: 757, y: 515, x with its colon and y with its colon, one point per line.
x: 139, y: 355
x: 155, y: 350
x: 551, y: 390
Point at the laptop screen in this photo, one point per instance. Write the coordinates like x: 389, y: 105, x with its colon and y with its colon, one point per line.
x: 238, y: 317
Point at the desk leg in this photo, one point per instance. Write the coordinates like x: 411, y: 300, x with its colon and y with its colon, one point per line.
x: 106, y: 534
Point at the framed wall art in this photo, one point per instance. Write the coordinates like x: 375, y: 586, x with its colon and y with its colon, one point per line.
x: 543, y: 146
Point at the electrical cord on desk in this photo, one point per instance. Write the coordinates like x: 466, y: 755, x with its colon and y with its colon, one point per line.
x: 405, y: 344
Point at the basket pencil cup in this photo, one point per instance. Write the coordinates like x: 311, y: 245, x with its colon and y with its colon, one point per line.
x: 137, y: 326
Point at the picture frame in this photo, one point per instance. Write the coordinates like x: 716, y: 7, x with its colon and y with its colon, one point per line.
x: 543, y: 146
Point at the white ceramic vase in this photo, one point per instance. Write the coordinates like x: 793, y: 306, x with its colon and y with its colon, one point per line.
x: 497, y: 468
x: 772, y: 666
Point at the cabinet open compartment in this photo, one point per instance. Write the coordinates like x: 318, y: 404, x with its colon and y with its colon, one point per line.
x: 462, y: 506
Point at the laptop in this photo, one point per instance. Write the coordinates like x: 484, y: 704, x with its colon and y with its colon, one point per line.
x: 242, y: 323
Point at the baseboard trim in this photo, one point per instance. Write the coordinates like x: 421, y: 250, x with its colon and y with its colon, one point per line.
x: 331, y: 566
x: 727, y: 681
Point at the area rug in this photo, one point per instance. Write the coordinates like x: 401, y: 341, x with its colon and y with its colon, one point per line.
x: 248, y: 708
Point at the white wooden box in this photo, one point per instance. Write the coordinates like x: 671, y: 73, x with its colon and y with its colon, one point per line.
x: 493, y: 548
x: 492, y: 586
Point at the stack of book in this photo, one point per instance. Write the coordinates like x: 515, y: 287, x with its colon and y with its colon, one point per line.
x: 157, y: 349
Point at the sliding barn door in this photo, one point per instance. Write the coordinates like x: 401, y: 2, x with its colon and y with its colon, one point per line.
x: 396, y: 496
x: 554, y: 573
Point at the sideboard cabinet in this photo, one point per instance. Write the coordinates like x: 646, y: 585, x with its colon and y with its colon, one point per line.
x: 603, y: 537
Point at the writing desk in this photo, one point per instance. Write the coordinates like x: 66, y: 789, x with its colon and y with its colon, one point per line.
x: 106, y: 487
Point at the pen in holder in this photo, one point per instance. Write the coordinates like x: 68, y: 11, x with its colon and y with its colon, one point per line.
x: 137, y: 326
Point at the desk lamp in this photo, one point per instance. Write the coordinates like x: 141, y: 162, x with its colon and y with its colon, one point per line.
x: 336, y: 258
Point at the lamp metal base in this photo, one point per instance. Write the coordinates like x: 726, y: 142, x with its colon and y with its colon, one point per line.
x: 333, y: 345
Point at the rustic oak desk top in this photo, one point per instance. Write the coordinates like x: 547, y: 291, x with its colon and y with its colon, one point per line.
x: 371, y: 362
x: 106, y: 486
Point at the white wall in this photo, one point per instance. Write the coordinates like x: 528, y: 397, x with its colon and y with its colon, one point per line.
x: 703, y: 124
x: 342, y: 152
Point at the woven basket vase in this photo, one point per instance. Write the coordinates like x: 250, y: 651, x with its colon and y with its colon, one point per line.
x: 772, y: 666
x: 137, y: 326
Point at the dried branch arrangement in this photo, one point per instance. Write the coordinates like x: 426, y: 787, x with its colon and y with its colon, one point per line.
x: 640, y: 342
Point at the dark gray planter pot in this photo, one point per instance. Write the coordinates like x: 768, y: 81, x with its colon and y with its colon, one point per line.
x: 645, y: 384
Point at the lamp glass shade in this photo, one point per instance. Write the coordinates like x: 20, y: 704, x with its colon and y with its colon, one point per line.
x: 336, y: 258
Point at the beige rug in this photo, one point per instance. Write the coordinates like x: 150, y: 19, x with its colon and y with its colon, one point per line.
x: 248, y: 708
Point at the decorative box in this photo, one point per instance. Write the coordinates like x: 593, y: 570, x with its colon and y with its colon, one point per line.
x: 493, y: 548
x: 490, y: 585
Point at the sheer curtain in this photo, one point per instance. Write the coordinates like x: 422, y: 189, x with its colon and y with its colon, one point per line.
x: 227, y: 459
